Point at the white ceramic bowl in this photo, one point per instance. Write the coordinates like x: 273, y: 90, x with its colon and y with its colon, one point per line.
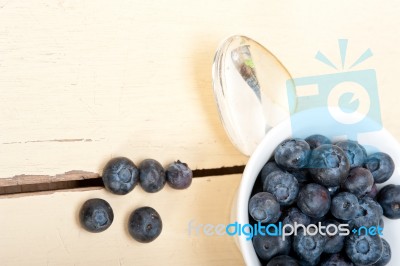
x: 382, y: 140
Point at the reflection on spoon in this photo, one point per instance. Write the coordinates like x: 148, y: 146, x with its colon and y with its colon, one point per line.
x: 250, y: 89
x: 243, y: 62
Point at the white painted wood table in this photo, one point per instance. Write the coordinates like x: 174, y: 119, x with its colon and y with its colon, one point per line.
x: 84, y: 81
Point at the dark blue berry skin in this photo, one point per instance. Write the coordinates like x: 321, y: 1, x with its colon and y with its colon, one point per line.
x: 389, y: 199
x: 302, y: 175
x: 337, y: 260
x: 329, y: 165
x: 381, y: 166
x: 283, y: 186
x: 354, y: 153
x: 264, y: 208
x: 334, y: 243
x: 179, y: 175
x: 268, y: 168
x: 345, y: 206
x: 368, y: 214
x: 151, y: 175
x: 333, y: 190
x: 314, y: 200
x: 145, y: 224
x: 120, y: 176
x: 317, y: 140
x: 269, y: 246
x: 308, y: 247
x: 96, y: 215
x: 283, y: 260
x: 373, y: 193
x: 363, y: 249
x: 359, y: 181
x: 294, y: 215
x: 292, y: 154
x: 386, y: 254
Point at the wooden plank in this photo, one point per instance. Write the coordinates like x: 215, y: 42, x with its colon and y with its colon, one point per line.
x: 44, y: 230
x: 81, y: 82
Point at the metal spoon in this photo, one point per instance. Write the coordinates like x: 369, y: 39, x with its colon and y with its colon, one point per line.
x: 250, y: 89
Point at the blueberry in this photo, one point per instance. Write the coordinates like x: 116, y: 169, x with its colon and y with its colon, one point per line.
x: 294, y: 215
x: 329, y: 165
x: 292, y: 154
x: 309, y: 247
x: 335, y: 241
x: 283, y: 260
x: 179, y: 175
x: 120, y: 175
x: 359, y: 181
x: 368, y: 214
x: 96, y: 215
x: 317, y: 140
x: 354, y: 153
x: 374, y: 192
x: 333, y: 190
x: 268, y: 168
x: 386, y: 254
x: 314, y: 200
x: 363, y: 249
x: 344, y: 206
x: 283, y: 186
x: 269, y: 246
x: 337, y: 259
x: 381, y: 166
x: 302, y: 175
x: 264, y: 208
x: 389, y: 199
x: 151, y: 175
x: 145, y: 224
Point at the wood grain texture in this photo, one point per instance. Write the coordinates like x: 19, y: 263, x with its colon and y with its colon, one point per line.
x: 84, y: 81
x: 44, y: 229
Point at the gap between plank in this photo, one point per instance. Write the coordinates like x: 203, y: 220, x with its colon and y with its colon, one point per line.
x: 96, y: 182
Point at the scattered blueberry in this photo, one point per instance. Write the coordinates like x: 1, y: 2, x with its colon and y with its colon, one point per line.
x: 96, y: 215
x: 283, y: 186
x: 179, y: 175
x: 268, y: 168
x: 381, y: 166
x: 308, y: 247
x: 317, y: 140
x: 145, y: 224
x: 292, y: 154
x: 335, y: 241
x: 120, y: 175
x: 283, y: 260
x: 386, y: 254
x: 269, y: 246
x: 314, y: 200
x: 364, y: 249
x: 151, y: 175
x: 264, y: 208
x: 329, y: 165
x: 337, y: 259
x: 354, y: 153
x: 359, y: 181
x: 344, y: 206
x: 389, y: 199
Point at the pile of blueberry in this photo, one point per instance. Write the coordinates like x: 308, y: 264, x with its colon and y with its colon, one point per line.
x: 315, y: 182
x: 120, y: 176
